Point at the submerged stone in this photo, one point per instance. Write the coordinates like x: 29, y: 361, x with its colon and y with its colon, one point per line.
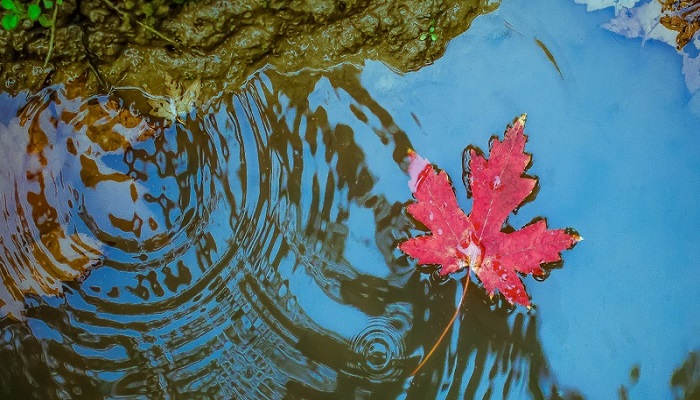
x: 140, y: 44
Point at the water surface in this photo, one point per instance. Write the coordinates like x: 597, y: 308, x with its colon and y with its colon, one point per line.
x: 251, y: 251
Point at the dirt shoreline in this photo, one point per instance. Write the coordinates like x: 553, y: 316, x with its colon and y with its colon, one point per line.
x: 220, y: 43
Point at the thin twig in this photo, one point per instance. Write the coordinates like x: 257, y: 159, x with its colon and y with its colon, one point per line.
x: 447, y: 328
x: 104, y: 87
x: 100, y: 80
x: 52, y: 39
x: 125, y: 15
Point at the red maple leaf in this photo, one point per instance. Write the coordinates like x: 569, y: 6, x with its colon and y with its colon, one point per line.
x: 498, y: 186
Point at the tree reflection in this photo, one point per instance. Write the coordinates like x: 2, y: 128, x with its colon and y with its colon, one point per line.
x: 270, y: 269
x: 685, y: 381
x: 496, y: 351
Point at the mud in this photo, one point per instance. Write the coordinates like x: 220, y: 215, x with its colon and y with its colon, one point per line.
x: 223, y: 42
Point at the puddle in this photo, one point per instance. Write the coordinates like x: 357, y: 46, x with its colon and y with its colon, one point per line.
x: 248, y: 249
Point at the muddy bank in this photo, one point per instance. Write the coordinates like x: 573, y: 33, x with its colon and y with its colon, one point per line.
x: 149, y: 43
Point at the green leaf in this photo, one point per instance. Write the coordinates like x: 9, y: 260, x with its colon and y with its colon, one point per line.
x: 10, y: 21
x: 59, y: 2
x: 48, y: 4
x: 45, y: 22
x: 423, y: 36
x: 33, y: 11
x: 8, y: 5
x: 433, y: 36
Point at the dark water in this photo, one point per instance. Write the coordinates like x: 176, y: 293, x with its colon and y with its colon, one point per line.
x: 251, y: 251
x: 257, y: 258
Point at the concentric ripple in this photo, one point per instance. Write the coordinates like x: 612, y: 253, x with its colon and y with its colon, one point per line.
x: 381, y: 348
x: 249, y: 252
x: 220, y: 251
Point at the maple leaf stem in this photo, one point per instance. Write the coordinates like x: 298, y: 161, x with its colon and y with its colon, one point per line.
x: 444, y: 333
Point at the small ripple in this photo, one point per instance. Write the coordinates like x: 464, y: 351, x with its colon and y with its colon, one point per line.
x: 380, y: 350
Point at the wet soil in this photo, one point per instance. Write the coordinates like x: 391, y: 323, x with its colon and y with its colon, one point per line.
x: 146, y: 44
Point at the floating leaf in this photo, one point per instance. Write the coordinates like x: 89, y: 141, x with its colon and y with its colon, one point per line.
x: 498, y: 186
x: 452, y: 243
x: 180, y: 99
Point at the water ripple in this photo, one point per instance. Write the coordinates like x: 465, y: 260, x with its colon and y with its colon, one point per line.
x: 380, y: 347
x: 247, y: 253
